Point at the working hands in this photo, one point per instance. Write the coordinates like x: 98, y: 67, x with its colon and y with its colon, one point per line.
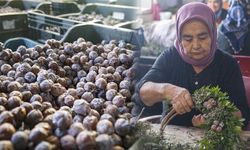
x: 181, y: 100
x: 198, y: 120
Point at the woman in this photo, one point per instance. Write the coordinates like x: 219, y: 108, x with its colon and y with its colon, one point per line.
x: 217, y: 8
x: 233, y: 32
x: 193, y: 62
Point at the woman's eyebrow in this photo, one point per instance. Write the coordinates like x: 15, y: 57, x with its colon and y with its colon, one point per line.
x: 187, y: 36
x: 191, y: 36
x: 203, y: 34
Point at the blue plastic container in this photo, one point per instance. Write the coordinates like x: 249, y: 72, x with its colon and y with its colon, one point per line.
x: 14, y: 43
x: 97, y: 32
x: 59, y: 8
x: 13, y: 25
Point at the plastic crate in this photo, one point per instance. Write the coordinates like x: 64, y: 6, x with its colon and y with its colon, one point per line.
x: 126, y: 14
x: 244, y: 62
x: 96, y: 33
x: 14, y: 43
x: 42, y: 27
x: 24, y: 4
x: 135, y: 24
x: 59, y: 8
x: 45, y: 7
x: 13, y: 25
x: 3, y: 3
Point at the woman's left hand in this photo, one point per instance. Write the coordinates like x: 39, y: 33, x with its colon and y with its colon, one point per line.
x: 238, y: 114
x: 198, y: 120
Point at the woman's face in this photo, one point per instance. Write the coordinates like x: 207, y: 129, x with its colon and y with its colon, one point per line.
x: 195, y: 39
x: 214, y: 5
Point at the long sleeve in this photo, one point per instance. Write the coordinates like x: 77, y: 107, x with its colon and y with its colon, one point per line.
x: 157, y: 73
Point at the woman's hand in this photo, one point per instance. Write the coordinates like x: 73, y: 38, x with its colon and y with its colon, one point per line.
x: 198, y: 120
x: 238, y: 114
x: 181, y: 100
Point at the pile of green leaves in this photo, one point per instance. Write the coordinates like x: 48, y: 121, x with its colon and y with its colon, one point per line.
x: 228, y: 138
x: 148, y: 139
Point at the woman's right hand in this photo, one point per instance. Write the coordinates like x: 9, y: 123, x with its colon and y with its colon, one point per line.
x: 181, y: 100
x: 198, y: 120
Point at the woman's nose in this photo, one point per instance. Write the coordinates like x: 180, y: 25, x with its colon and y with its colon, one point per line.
x: 196, y: 44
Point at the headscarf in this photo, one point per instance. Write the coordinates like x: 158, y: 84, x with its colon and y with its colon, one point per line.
x: 200, y: 11
x: 235, y: 26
